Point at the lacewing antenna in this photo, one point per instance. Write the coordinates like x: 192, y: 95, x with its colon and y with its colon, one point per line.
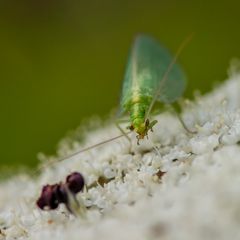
x: 82, y: 150
x: 91, y: 147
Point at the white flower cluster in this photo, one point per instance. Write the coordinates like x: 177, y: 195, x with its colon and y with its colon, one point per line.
x: 174, y: 185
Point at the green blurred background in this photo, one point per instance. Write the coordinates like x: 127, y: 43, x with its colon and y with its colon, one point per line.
x: 63, y: 61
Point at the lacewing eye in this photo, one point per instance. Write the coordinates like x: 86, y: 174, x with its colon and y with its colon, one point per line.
x: 75, y: 182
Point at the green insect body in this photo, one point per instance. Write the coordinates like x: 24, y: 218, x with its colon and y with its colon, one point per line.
x: 151, y: 74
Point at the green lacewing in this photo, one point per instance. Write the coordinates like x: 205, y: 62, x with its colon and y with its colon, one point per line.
x: 152, y: 74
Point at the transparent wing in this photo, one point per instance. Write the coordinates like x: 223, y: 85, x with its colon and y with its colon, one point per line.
x: 147, y: 65
x: 157, y: 59
x: 173, y: 81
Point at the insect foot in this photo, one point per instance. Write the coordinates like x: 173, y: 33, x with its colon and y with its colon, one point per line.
x: 53, y: 195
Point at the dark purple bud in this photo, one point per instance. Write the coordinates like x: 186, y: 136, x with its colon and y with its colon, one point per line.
x: 75, y: 182
x: 48, y: 197
x: 52, y: 195
x: 62, y: 194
